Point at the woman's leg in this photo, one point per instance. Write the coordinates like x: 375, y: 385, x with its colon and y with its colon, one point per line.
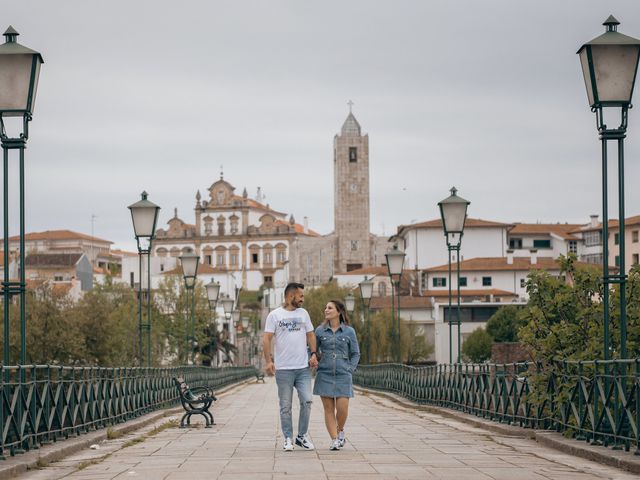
x: 342, y: 411
x: 329, y: 405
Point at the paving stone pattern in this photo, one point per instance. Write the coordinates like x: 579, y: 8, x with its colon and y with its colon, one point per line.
x: 384, y: 441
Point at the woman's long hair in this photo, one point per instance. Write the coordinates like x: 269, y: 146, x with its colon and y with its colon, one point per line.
x: 344, y: 318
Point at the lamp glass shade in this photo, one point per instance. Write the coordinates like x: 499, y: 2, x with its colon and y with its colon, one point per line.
x: 609, y: 65
x: 144, y: 215
x: 235, y: 316
x: 395, y: 261
x: 350, y: 302
x: 213, y: 291
x: 245, y: 323
x: 227, y: 304
x: 189, y: 282
x: 189, y: 263
x: 19, y: 73
x: 453, y: 212
x: 366, y: 289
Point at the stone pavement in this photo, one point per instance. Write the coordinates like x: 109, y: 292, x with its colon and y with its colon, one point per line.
x: 385, y: 441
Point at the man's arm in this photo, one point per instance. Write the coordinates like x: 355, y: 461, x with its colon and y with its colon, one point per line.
x: 311, y: 341
x: 270, y: 368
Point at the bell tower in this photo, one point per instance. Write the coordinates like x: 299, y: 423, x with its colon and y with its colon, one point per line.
x: 351, y: 196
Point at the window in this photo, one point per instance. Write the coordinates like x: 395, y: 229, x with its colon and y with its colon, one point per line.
x: 354, y: 245
x: 572, y: 246
x: 382, y: 289
x: 542, y: 244
x: 595, y: 258
x: 162, y: 267
x: 523, y: 282
x: 268, y: 279
x: 486, y: 281
x: 592, y: 238
x: 220, y: 259
x: 635, y: 259
x: 233, y: 258
x: 254, y: 258
x: 57, y: 278
x: 208, y: 259
x: 131, y: 279
x: 617, y: 260
x: 439, y: 282
x: 616, y: 239
x: 515, y: 243
x: 281, y: 257
x: 267, y: 258
x: 634, y: 236
x: 463, y: 281
x: 353, y: 154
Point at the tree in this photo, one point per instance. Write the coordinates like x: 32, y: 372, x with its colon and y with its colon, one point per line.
x: 503, y: 325
x: 477, y: 346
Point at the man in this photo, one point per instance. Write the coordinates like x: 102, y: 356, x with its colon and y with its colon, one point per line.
x: 292, y: 329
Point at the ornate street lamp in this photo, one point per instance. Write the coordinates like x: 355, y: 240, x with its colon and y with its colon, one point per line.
x: 213, y: 292
x: 189, y: 262
x: 395, y: 261
x: 366, y: 292
x: 227, y: 304
x: 350, y: 303
x: 144, y: 215
x: 609, y: 65
x: 19, y: 72
x: 453, y: 212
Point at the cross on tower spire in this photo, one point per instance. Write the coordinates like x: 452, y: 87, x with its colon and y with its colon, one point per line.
x: 350, y: 103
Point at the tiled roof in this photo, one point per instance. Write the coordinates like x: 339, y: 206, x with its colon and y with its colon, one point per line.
x: 58, y: 235
x: 406, y: 302
x: 561, y: 229
x: 50, y: 260
x: 298, y: 228
x: 469, y: 223
x: 500, y: 263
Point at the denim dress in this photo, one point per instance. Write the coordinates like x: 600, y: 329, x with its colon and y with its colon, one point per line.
x: 338, y: 354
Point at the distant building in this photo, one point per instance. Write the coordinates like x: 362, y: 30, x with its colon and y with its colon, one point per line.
x: 60, y: 268
x: 97, y: 250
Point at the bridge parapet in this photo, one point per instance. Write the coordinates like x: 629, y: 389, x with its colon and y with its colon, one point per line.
x: 595, y: 401
x: 45, y: 403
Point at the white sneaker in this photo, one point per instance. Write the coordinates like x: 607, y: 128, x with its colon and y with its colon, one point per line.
x: 288, y: 446
x: 305, y: 442
x: 341, y: 438
x: 335, y: 444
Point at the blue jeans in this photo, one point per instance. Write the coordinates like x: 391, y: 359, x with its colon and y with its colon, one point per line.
x: 300, y: 379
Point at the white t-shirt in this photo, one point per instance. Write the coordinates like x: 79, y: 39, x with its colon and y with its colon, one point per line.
x: 290, y: 330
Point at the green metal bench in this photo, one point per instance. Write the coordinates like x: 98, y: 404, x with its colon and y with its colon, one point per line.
x: 195, y: 401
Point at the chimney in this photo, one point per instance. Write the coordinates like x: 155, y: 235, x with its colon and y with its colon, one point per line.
x: 534, y: 256
x: 593, y: 222
x: 509, y: 257
x: 306, y: 225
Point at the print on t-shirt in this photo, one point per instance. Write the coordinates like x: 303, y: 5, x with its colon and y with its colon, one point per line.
x: 291, y: 324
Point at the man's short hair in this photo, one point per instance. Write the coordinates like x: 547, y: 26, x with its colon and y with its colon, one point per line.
x: 292, y: 287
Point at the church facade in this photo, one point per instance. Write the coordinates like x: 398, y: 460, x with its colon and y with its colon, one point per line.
x: 259, y: 246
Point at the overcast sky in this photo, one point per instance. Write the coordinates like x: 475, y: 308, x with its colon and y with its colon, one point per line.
x: 157, y: 95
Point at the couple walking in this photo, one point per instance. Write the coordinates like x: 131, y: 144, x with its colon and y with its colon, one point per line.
x: 334, y: 352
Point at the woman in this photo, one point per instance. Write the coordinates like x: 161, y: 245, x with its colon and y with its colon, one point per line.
x: 339, y: 353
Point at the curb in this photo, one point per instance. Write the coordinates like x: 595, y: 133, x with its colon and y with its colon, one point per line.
x: 606, y: 456
x: 56, y: 451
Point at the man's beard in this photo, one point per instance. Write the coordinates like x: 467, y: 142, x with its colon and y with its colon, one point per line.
x: 296, y: 303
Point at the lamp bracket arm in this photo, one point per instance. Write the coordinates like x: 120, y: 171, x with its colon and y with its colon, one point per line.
x: 15, y: 142
x: 612, y: 133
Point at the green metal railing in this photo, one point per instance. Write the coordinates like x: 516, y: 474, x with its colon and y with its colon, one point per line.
x: 596, y: 401
x: 42, y: 403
